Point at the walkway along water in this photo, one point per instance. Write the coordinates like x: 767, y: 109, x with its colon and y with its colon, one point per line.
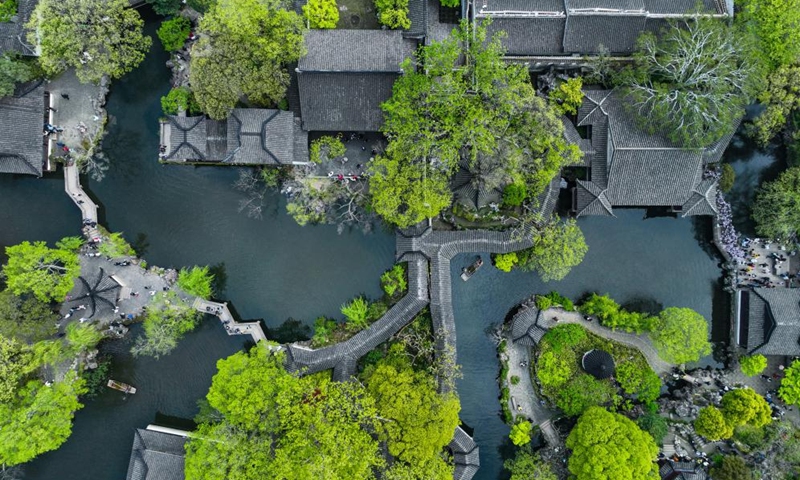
x: 233, y: 327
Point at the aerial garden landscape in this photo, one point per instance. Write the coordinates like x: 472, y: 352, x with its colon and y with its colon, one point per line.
x: 413, y: 239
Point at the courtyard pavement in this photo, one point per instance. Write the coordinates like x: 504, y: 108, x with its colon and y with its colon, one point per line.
x: 81, y: 115
x: 769, y: 264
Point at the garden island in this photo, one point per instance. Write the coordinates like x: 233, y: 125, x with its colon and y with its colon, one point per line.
x: 399, y: 239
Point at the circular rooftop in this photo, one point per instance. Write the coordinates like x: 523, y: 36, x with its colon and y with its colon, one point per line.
x: 598, y: 363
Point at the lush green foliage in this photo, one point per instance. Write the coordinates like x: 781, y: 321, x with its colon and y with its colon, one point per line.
x: 710, y: 423
x: 752, y: 365
x: 521, y: 433
x: 608, y: 445
x: 8, y: 8
x: 356, y: 313
x: 323, y: 328
x: 744, y: 406
x: 727, y: 178
x: 554, y: 370
x: 527, y: 466
x: 732, y: 467
x: 644, y: 383
x: 451, y: 3
x: 681, y: 335
x: 420, y: 420
x: 201, y: 6
x: 393, y: 13
x: 790, y: 384
x: 321, y: 13
x: 613, y: 316
x: 583, y: 392
x: 95, y: 37
x: 17, y: 362
x: 165, y: 7
x: 781, y: 99
x: 196, y: 281
x: 505, y: 261
x: 467, y: 106
x: 97, y: 378
x: 82, y: 337
x: 564, y: 336
x: 775, y: 24
x: 655, y: 425
x: 174, y: 32
x: 514, y: 194
x: 692, y: 82
x: 568, y: 96
x: 26, y: 319
x: 326, y: 148
x: 12, y: 70
x: 554, y: 299
x: 38, y: 419
x: 393, y: 281
x: 557, y: 247
x: 775, y: 210
x: 168, y: 319
x: 180, y: 99
x: 115, y: 246
x: 47, y: 273
x: 242, y: 48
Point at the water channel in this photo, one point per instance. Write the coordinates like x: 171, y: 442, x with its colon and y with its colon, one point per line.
x: 276, y: 270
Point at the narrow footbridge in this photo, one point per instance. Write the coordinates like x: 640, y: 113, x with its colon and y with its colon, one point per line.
x: 233, y: 327
x: 72, y: 185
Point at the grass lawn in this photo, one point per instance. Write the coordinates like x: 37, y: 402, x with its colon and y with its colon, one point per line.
x: 357, y: 14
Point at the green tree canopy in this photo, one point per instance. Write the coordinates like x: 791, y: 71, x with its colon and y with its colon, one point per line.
x: 692, y: 81
x: 82, y: 336
x: 174, y: 33
x: 321, y: 13
x: 96, y: 37
x: 47, y: 273
x: 242, y: 49
x: 775, y: 24
x: 168, y: 318
x: 12, y: 71
x: 781, y: 98
x: 466, y: 106
x: 528, y: 466
x: 775, y: 210
x: 419, y: 421
x: 745, y: 406
x: 521, y: 433
x: 655, y: 425
x: 17, y: 361
x: 790, y: 384
x: 681, y: 335
x: 557, y: 247
x: 731, y: 467
x: 711, y: 423
x: 26, y: 319
x: 583, y: 392
x: 752, y: 365
x: 38, y: 419
x: 639, y: 380
x: 196, y: 281
x: 608, y: 445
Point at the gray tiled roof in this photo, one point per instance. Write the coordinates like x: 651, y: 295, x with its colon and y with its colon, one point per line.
x: 591, y: 200
x: 684, y: 6
x: 531, y: 36
x: 353, y: 51
x: 21, y: 121
x: 525, y: 328
x: 187, y: 140
x: 156, y: 456
x: 774, y: 321
x: 653, y: 177
x: 465, y: 455
x: 526, y: 6
x: 347, y: 75
x: 703, y: 200
x: 620, y: 5
x: 617, y: 33
x: 671, y: 470
x: 12, y: 33
x: 418, y: 14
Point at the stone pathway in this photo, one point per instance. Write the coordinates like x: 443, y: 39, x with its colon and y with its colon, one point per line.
x: 522, y: 395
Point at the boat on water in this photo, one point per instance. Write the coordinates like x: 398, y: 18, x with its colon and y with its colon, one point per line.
x: 122, y: 387
x: 468, y: 272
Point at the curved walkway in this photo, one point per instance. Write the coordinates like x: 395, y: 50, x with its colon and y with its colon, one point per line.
x: 233, y: 327
x: 72, y: 186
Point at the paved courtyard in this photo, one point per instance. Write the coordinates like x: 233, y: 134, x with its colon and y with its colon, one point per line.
x: 78, y: 111
x: 769, y: 265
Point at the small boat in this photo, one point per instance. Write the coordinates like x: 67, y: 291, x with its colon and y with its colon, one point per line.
x: 468, y: 272
x: 122, y: 387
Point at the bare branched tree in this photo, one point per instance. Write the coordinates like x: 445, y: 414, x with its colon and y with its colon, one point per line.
x: 251, y: 184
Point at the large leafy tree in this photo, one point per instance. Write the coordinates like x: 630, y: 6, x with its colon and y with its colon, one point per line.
x: 467, y: 105
x: 745, y: 406
x: 691, y: 82
x: 16, y: 362
x: 781, y: 98
x: 732, y: 467
x: 790, y: 384
x: 776, y: 209
x: 419, y: 422
x: 26, y: 319
x: 776, y: 26
x: 608, y: 445
x: 557, y: 247
x: 681, y: 335
x: 528, y: 466
x: 38, y: 419
x: 752, y: 365
x: 711, y: 423
x: 12, y: 71
x: 242, y: 49
x: 96, y: 37
x: 47, y: 273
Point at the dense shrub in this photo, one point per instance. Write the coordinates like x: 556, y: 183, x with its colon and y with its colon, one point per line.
x: 196, y: 281
x: 393, y: 281
x: 174, y: 32
x: 356, y: 313
x: 564, y: 336
x: 323, y: 329
x: 180, y: 98
x: 521, y: 433
x: 321, y: 13
x: 711, y: 424
x: 727, y: 178
x: 514, y: 194
x: 505, y: 261
x: 326, y: 148
x: 582, y: 392
x: 613, y: 316
x: 753, y: 365
x: 639, y: 380
x: 554, y: 370
x: 393, y: 13
x: 655, y: 425
x: 556, y: 300
x: 8, y: 8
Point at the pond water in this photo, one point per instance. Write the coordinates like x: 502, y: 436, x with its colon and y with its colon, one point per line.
x: 275, y: 270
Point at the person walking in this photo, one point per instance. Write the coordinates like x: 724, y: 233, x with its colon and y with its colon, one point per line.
x: 65, y: 96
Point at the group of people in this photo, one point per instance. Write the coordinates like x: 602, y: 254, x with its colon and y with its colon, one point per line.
x: 759, y: 274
